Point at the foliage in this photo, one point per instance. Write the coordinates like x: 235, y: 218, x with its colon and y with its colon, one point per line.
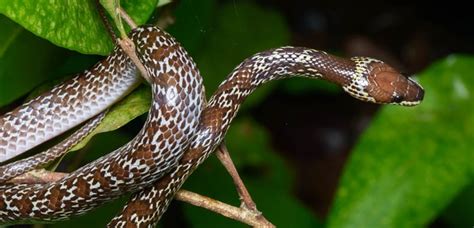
x: 74, y: 25
x: 411, y: 163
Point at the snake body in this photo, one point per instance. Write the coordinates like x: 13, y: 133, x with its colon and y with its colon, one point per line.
x: 173, y: 118
x: 153, y: 162
x: 146, y: 207
x: 16, y: 168
x: 66, y: 105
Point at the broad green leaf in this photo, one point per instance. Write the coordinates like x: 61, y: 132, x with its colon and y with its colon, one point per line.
x: 412, y: 162
x: 139, y: 10
x: 112, y: 8
x: 269, y: 183
x: 73, y: 24
x: 460, y: 210
x: 164, y: 2
x: 9, y: 34
x: 25, y: 60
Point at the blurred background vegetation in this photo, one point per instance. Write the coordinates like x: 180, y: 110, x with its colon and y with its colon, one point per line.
x: 310, y: 155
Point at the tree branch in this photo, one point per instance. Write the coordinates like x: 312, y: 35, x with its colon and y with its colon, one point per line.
x: 224, y: 157
x: 242, y: 214
x: 247, y: 213
x: 126, y: 17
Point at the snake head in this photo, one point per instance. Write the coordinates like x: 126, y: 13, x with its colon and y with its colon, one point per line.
x: 380, y: 83
x: 386, y: 85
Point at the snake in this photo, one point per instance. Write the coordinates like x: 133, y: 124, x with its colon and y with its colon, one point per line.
x: 66, y: 105
x: 16, y: 168
x: 364, y: 78
x: 181, y: 129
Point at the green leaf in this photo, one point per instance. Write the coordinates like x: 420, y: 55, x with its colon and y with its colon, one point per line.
x: 112, y: 7
x: 75, y: 25
x: 459, y: 212
x: 164, y: 2
x: 25, y: 60
x: 412, y: 162
x: 269, y: 183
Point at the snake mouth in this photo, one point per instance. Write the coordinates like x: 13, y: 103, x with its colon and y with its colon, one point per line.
x: 421, y: 95
x: 414, y: 92
x: 421, y: 92
x: 412, y: 95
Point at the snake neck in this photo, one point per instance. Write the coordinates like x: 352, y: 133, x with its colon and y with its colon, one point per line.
x: 244, y: 79
x: 266, y: 66
x: 225, y: 102
x: 352, y: 75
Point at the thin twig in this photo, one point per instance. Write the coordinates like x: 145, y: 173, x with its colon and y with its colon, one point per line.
x: 127, y: 18
x: 128, y: 47
x: 224, y: 157
x: 249, y: 217
x: 245, y: 215
x: 248, y: 212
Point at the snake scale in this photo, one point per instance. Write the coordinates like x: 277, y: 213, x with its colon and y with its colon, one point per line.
x: 181, y: 129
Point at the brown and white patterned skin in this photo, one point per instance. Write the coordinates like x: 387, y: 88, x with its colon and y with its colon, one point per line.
x: 363, y: 78
x: 67, y: 105
x: 173, y: 119
x: 11, y: 170
x: 146, y: 207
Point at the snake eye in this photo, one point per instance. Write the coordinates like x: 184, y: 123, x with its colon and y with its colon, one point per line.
x: 397, y: 99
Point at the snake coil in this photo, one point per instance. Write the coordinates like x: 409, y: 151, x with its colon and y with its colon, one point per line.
x: 181, y: 130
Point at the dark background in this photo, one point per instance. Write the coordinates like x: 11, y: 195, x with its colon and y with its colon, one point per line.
x: 409, y: 35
